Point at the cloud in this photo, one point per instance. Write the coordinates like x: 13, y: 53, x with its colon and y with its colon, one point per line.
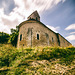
x: 55, y: 29
x: 26, y: 7
x: 8, y: 5
x: 72, y: 33
x: 4, y: 28
x: 63, y: 0
x: 71, y: 37
x: 22, y: 9
x: 9, y: 21
x: 70, y: 27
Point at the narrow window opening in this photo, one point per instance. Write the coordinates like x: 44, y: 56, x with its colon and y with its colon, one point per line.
x: 23, y: 44
x: 30, y: 18
x: 37, y: 36
x: 20, y: 37
x: 52, y: 39
x: 36, y: 18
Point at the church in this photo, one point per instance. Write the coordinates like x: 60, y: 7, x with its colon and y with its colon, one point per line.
x: 33, y: 33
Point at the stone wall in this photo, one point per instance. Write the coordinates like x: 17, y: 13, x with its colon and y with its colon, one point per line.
x: 35, y: 16
x: 47, y: 37
x: 63, y: 41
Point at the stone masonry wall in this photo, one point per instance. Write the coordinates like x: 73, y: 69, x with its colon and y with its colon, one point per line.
x: 29, y: 33
x: 47, y: 37
x: 34, y: 16
x: 63, y: 42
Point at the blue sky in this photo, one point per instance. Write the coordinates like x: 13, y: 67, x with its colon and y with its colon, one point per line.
x: 58, y: 15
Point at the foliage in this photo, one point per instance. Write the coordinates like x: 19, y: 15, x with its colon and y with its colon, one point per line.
x: 39, y: 60
x: 4, y: 37
x: 65, y: 54
x: 14, y: 36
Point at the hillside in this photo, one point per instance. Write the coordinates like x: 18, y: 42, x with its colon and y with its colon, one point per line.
x: 37, y: 61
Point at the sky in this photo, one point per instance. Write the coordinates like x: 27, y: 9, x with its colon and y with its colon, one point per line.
x: 58, y: 15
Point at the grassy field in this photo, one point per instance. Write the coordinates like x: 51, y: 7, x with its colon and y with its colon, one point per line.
x: 37, y: 61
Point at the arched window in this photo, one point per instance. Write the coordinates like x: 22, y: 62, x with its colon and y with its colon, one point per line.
x: 20, y: 37
x: 37, y: 36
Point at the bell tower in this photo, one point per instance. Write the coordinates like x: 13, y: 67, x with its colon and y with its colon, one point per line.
x: 34, y: 16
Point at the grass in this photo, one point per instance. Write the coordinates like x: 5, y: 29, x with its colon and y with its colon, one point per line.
x: 37, y: 61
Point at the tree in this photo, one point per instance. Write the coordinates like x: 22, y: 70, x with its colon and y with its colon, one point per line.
x: 14, y: 36
x: 4, y: 37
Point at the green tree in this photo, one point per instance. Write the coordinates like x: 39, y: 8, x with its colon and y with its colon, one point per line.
x: 4, y: 37
x: 14, y: 36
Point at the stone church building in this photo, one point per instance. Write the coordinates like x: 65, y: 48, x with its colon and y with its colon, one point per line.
x: 34, y: 33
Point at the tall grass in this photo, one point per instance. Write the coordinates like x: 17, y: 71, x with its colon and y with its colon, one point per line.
x: 20, y: 59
